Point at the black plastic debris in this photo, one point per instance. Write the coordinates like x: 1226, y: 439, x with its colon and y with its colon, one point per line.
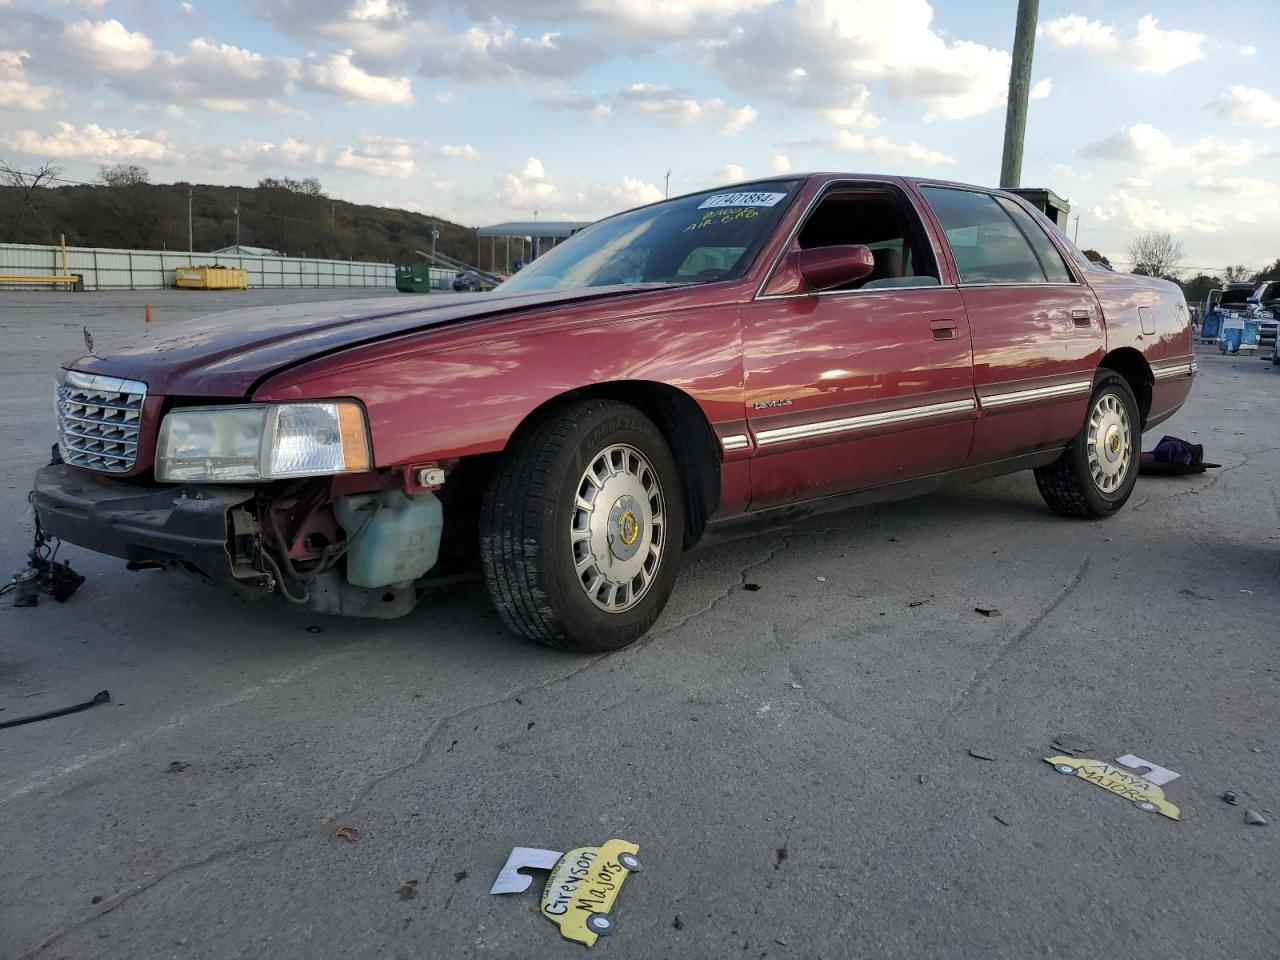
x: 1071, y: 746
x: 100, y: 698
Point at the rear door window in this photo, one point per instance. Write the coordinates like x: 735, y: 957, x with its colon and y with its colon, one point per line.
x: 986, y: 244
x: 1048, y: 255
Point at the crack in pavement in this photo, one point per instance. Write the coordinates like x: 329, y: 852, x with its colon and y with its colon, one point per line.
x: 720, y: 598
x: 797, y: 681
x: 123, y: 897
x: 366, y: 790
x: 1012, y: 645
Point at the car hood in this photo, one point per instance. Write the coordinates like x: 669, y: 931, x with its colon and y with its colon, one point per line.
x: 226, y: 354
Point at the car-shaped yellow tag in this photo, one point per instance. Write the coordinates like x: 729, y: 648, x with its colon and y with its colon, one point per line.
x: 1145, y: 794
x: 582, y: 887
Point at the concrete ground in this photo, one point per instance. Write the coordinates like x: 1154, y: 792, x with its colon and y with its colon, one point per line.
x: 793, y: 762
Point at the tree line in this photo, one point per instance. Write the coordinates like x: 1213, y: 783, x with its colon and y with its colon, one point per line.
x: 294, y: 217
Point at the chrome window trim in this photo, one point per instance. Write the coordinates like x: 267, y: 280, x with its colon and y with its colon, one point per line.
x: 1030, y: 284
x: 1011, y: 397
x: 822, y: 428
x: 845, y: 293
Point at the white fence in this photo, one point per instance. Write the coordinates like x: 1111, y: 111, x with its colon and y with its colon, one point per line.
x: 106, y: 269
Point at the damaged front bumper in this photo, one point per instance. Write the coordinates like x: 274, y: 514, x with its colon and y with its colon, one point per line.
x: 207, y: 529
x: 187, y: 526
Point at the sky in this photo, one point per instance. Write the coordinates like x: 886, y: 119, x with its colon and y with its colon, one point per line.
x: 1147, y: 116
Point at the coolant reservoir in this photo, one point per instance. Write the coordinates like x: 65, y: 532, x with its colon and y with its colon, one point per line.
x: 398, y: 545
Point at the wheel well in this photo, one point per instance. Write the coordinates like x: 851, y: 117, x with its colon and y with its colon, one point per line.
x: 1133, y: 366
x: 686, y: 429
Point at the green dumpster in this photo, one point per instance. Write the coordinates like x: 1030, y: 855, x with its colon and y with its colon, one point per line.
x: 413, y: 278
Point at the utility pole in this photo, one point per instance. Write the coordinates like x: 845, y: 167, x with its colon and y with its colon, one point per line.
x: 435, y: 235
x: 1015, y: 123
x: 666, y: 189
x: 190, y: 233
x: 1076, y: 238
x: 237, y: 223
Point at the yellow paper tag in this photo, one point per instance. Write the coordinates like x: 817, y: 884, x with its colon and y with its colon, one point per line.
x: 1121, y: 782
x: 582, y: 887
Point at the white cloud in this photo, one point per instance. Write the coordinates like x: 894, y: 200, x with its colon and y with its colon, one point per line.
x: 444, y: 96
x: 1065, y: 172
x: 1247, y: 105
x: 15, y: 89
x: 337, y: 75
x: 668, y: 106
x: 1249, y: 51
x: 92, y: 144
x: 261, y: 153
x: 108, y: 46
x: 1244, y: 186
x: 1041, y: 89
x: 187, y: 9
x: 1136, y: 183
x: 729, y: 173
x: 878, y: 148
x: 780, y: 163
x: 822, y: 54
x: 1147, y: 49
x: 378, y: 156
x: 556, y: 198
x: 564, y: 99
x: 1151, y: 213
x: 452, y: 151
x: 491, y: 54
x: 1144, y: 145
x: 651, y: 19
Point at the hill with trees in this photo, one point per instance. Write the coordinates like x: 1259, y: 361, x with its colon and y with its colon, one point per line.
x: 296, y: 217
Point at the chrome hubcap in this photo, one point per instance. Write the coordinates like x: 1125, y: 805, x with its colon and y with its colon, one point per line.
x: 618, y: 528
x: 1110, y: 443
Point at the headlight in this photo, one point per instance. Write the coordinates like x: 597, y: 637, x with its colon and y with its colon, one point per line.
x: 262, y: 442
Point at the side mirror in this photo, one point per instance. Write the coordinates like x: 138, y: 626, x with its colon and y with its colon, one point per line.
x: 827, y: 267
x: 821, y: 268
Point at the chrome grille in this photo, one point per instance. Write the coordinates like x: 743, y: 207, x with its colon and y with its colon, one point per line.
x: 99, y: 420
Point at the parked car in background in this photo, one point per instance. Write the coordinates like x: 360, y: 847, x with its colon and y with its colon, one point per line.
x: 1264, y: 306
x: 465, y: 282
x: 751, y: 353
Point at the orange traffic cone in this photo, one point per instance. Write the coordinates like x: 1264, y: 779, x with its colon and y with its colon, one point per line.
x: 148, y: 313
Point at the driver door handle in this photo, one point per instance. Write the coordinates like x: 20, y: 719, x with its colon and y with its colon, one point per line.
x: 943, y: 329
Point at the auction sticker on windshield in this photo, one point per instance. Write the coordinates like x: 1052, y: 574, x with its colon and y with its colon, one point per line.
x: 742, y: 200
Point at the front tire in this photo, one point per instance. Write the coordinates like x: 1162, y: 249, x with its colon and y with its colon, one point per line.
x: 1096, y: 473
x: 582, y: 526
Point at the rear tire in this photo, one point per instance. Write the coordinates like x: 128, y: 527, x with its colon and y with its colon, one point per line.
x: 582, y: 526
x: 1096, y: 473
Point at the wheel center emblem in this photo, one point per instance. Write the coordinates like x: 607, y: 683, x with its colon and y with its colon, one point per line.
x: 1115, y: 443
x: 629, y: 528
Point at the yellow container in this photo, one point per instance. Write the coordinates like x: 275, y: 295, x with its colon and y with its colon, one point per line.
x: 211, y: 278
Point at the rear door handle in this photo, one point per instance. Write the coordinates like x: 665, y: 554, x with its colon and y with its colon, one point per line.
x: 943, y: 329
x: 1082, y: 318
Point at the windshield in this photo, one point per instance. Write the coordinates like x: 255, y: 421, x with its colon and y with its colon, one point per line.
x: 694, y: 239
